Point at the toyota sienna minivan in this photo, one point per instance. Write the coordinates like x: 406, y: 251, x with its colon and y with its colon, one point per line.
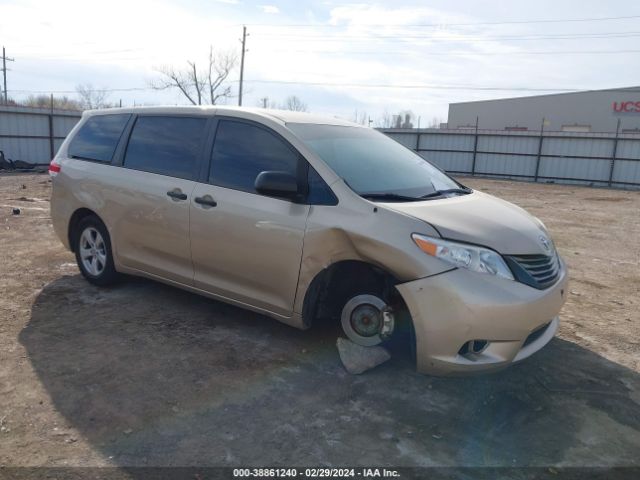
x: 307, y: 218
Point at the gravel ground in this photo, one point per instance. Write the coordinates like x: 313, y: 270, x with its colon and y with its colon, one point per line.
x: 147, y: 375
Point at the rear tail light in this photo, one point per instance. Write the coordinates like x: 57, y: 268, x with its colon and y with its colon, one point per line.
x: 54, y: 168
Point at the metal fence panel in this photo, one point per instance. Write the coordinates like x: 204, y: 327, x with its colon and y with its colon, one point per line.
x: 450, y: 161
x: 579, y: 147
x: 626, y: 171
x: 628, y: 149
x: 602, y: 159
x: 512, y: 165
x: 63, y: 125
x: 33, y: 150
x: 33, y: 135
x: 575, y: 168
x: 510, y: 144
x: 447, y: 142
x: 18, y: 125
x: 57, y: 143
x: 408, y: 140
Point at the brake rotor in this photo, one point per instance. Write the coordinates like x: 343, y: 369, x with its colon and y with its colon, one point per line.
x: 366, y: 320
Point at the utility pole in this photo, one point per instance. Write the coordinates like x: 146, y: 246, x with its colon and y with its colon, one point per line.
x: 265, y: 102
x: 5, y: 59
x: 244, y: 41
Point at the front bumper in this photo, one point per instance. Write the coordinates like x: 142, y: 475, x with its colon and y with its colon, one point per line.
x: 455, y: 307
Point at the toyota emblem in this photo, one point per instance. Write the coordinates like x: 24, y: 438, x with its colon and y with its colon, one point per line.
x: 545, y: 243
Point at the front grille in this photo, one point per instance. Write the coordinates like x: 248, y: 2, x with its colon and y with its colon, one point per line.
x: 538, y: 271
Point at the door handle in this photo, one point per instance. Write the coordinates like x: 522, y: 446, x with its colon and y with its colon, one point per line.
x: 177, y: 194
x: 206, y: 201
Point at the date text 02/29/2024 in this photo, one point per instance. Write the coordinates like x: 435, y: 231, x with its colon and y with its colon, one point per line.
x: 315, y: 473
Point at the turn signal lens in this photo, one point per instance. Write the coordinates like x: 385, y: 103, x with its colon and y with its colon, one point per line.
x: 425, y: 245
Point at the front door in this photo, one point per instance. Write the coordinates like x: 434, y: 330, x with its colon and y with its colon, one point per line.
x: 247, y: 246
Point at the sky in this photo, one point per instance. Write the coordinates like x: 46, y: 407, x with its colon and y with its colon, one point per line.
x: 340, y: 58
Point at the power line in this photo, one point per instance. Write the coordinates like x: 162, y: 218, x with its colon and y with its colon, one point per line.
x: 441, y: 24
x: 434, y: 86
x: 464, y: 54
x: 364, y: 85
x: 452, y: 37
x: 403, y: 39
x: 379, y: 52
x: 127, y: 89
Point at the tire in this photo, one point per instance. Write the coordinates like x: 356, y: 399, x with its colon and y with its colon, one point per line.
x: 92, y: 246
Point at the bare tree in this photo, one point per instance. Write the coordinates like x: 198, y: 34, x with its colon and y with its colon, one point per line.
x: 361, y: 117
x: 45, y: 101
x: 293, y: 103
x: 407, y: 119
x: 91, y: 98
x: 220, y: 66
x: 403, y: 119
x: 386, y: 121
x: 200, y: 87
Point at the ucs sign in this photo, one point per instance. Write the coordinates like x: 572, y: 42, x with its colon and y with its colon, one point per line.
x: 626, y: 107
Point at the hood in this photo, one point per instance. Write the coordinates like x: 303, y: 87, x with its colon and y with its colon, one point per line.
x: 480, y: 219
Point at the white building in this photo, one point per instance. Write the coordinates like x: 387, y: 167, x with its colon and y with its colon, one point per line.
x: 588, y: 111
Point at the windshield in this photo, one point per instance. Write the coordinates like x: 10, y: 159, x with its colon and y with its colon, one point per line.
x: 372, y: 163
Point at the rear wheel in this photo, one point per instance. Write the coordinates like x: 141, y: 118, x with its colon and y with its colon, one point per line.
x: 92, y: 246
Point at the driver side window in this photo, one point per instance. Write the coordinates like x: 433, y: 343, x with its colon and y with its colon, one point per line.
x: 242, y: 150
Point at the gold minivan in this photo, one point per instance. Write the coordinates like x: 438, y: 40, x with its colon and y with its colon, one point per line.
x: 307, y: 218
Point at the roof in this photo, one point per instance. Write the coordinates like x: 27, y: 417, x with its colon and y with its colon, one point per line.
x: 577, y: 92
x: 281, y: 116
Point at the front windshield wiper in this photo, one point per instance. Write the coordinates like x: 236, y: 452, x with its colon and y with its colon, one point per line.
x: 440, y: 193
x: 389, y: 196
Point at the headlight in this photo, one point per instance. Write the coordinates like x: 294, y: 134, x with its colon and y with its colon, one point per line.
x: 478, y: 259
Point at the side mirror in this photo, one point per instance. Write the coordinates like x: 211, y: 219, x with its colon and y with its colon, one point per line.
x: 277, y: 184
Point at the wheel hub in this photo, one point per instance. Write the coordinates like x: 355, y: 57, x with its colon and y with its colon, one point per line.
x: 93, y: 253
x: 366, y: 320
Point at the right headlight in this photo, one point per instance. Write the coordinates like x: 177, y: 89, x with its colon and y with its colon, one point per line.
x: 471, y: 257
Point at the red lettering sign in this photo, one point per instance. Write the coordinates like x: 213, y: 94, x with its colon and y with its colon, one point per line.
x: 626, y: 107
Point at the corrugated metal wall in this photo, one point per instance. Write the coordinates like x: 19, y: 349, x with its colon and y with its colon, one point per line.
x: 34, y: 134
x: 599, y: 159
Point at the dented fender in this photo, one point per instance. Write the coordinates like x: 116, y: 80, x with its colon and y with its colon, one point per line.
x: 364, y: 232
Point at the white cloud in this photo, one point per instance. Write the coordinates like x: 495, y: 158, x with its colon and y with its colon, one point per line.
x: 53, y: 40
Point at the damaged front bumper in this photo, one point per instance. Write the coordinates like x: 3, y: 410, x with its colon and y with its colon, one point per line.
x: 507, y: 320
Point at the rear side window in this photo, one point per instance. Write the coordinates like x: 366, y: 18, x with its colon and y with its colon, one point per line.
x: 98, y: 137
x: 241, y: 151
x: 166, y: 145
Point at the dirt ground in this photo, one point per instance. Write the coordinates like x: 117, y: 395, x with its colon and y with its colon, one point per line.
x: 147, y: 375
